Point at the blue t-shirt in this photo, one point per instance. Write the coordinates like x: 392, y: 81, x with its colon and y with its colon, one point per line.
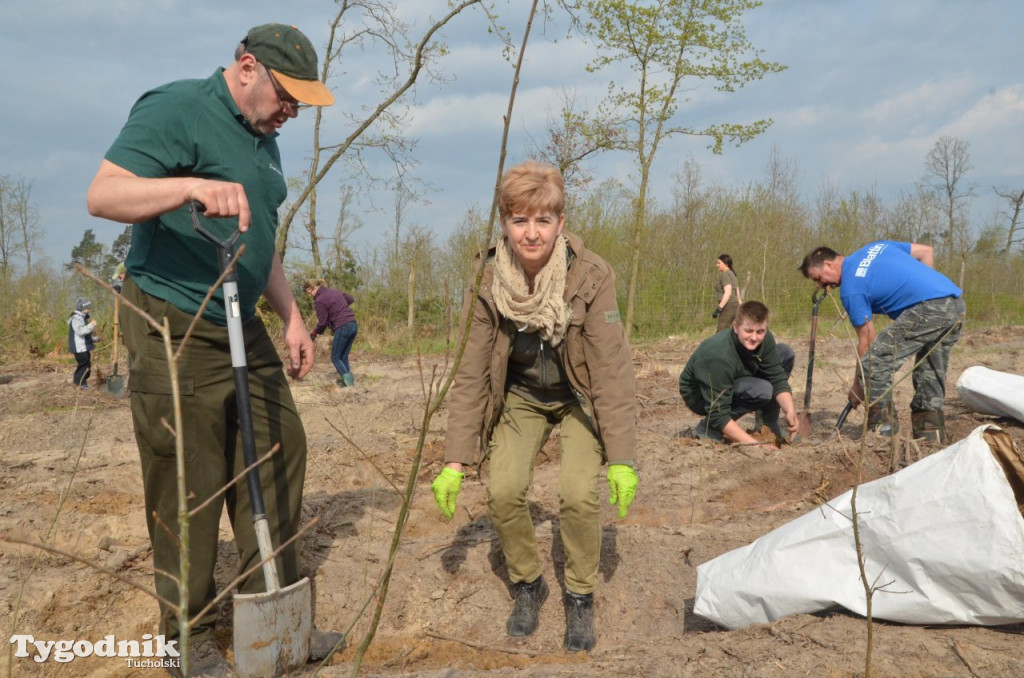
x: 883, y: 278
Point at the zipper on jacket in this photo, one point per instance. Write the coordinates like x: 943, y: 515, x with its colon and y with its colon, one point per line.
x: 543, y: 371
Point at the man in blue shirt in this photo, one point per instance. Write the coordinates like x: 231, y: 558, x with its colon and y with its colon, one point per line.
x: 897, y: 279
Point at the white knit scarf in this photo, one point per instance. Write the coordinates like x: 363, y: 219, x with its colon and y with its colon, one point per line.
x: 544, y: 310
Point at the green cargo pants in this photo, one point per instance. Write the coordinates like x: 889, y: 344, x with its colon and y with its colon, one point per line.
x: 927, y: 332
x: 520, y: 433
x: 213, y: 451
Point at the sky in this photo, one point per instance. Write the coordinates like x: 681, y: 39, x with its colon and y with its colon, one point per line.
x: 870, y: 86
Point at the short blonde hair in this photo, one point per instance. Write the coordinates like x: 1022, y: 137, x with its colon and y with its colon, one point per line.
x: 531, y: 187
x: 313, y: 283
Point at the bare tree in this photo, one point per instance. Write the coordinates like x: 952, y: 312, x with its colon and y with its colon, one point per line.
x: 357, y: 23
x: 572, y: 137
x: 945, y: 167
x: 19, y: 224
x: 914, y: 217
x: 1016, y: 202
x: 667, y: 43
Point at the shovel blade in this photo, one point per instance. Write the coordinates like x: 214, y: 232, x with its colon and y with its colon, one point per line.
x: 272, y: 631
x: 804, y: 423
x: 115, y: 384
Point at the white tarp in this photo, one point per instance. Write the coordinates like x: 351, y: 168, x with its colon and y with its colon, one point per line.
x: 992, y: 392
x: 945, y: 531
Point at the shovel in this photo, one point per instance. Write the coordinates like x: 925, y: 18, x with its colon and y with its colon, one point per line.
x: 115, y: 382
x: 272, y: 630
x: 805, y: 416
x: 842, y: 416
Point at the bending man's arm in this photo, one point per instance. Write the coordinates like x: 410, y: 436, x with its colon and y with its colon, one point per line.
x: 865, y: 335
x: 923, y: 253
x: 124, y: 197
x: 296, y: 337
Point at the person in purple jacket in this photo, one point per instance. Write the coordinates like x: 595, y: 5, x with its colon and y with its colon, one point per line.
x: 333, y: 309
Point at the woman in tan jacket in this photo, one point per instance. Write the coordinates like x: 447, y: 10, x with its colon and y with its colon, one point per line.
x: 546, y: 346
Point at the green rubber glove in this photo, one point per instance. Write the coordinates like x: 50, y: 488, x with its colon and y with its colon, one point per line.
x: 446, y: 490
x: 622, y: 482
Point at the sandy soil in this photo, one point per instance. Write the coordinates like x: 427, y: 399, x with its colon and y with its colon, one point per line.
x: 73, y: 454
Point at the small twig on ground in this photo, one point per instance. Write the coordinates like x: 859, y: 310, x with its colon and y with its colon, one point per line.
x: 959, y: 653
x: 399, y: 658
x: 484, y: 648
x: 734, y: 655
x: 816, y: 493
x: 431, y: 550
x: 365, y: 457
x: 72, y: 556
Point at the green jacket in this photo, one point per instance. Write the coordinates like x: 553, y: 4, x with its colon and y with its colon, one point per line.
x: 595, y: 354
x: 719, y: 361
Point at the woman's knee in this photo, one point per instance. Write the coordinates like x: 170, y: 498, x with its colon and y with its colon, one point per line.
x: 577, y: 497
x: 505, y: 494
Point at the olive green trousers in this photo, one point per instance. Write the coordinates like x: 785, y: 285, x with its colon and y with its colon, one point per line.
x: 213, y: 452
x: 518, y: 437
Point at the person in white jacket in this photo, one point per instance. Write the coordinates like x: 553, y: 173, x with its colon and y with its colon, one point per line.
x: 81, y: 341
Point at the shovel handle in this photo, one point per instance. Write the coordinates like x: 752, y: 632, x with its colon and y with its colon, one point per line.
x: 236, y: 340
x: 117, y: 327
x: 817, y: 296
x: 842, y: 415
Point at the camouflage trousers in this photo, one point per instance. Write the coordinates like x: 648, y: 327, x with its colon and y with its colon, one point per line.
x: 925, y: 332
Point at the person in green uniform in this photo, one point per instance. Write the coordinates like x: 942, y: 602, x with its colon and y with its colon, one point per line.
x: 740, y: 371
x: 727, y: 291
x: 213, y: 141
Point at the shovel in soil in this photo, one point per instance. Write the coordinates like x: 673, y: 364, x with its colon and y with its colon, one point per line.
x: 842, y: 416
x: 804, y: 420
x: 272, y: 630
x: 115, y: 381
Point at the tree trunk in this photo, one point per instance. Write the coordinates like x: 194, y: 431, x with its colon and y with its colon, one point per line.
x: 411, y: 292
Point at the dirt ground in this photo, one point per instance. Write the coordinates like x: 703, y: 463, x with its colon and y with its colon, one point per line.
x: 70, y: 454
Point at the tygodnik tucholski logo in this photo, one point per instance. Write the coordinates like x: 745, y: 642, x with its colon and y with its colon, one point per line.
x: 151, y: 652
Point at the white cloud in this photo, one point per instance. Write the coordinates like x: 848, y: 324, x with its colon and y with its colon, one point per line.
x: 1000, y: 112
x: 929, y: 99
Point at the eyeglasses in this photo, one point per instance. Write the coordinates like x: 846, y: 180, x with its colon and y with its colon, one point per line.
x: 288, y: 104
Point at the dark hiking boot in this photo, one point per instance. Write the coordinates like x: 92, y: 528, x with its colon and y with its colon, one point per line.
x: 323, y: 643
x: 205, y: 661
x: 882, y: 420
x: 705, y: 432
x: 579, y: 622
x: 526, y: 611
x: 929, y: 426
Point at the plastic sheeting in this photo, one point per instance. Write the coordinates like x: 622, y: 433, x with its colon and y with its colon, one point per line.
x: 944, y: 536
x: 992, y: 392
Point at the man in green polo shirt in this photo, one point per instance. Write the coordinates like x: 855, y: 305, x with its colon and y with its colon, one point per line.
x: 213, y: 141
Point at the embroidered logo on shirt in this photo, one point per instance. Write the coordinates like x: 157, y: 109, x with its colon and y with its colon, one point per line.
x: 274, y: 167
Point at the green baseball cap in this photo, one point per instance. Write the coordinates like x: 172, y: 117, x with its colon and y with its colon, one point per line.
x: 291, y: 57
